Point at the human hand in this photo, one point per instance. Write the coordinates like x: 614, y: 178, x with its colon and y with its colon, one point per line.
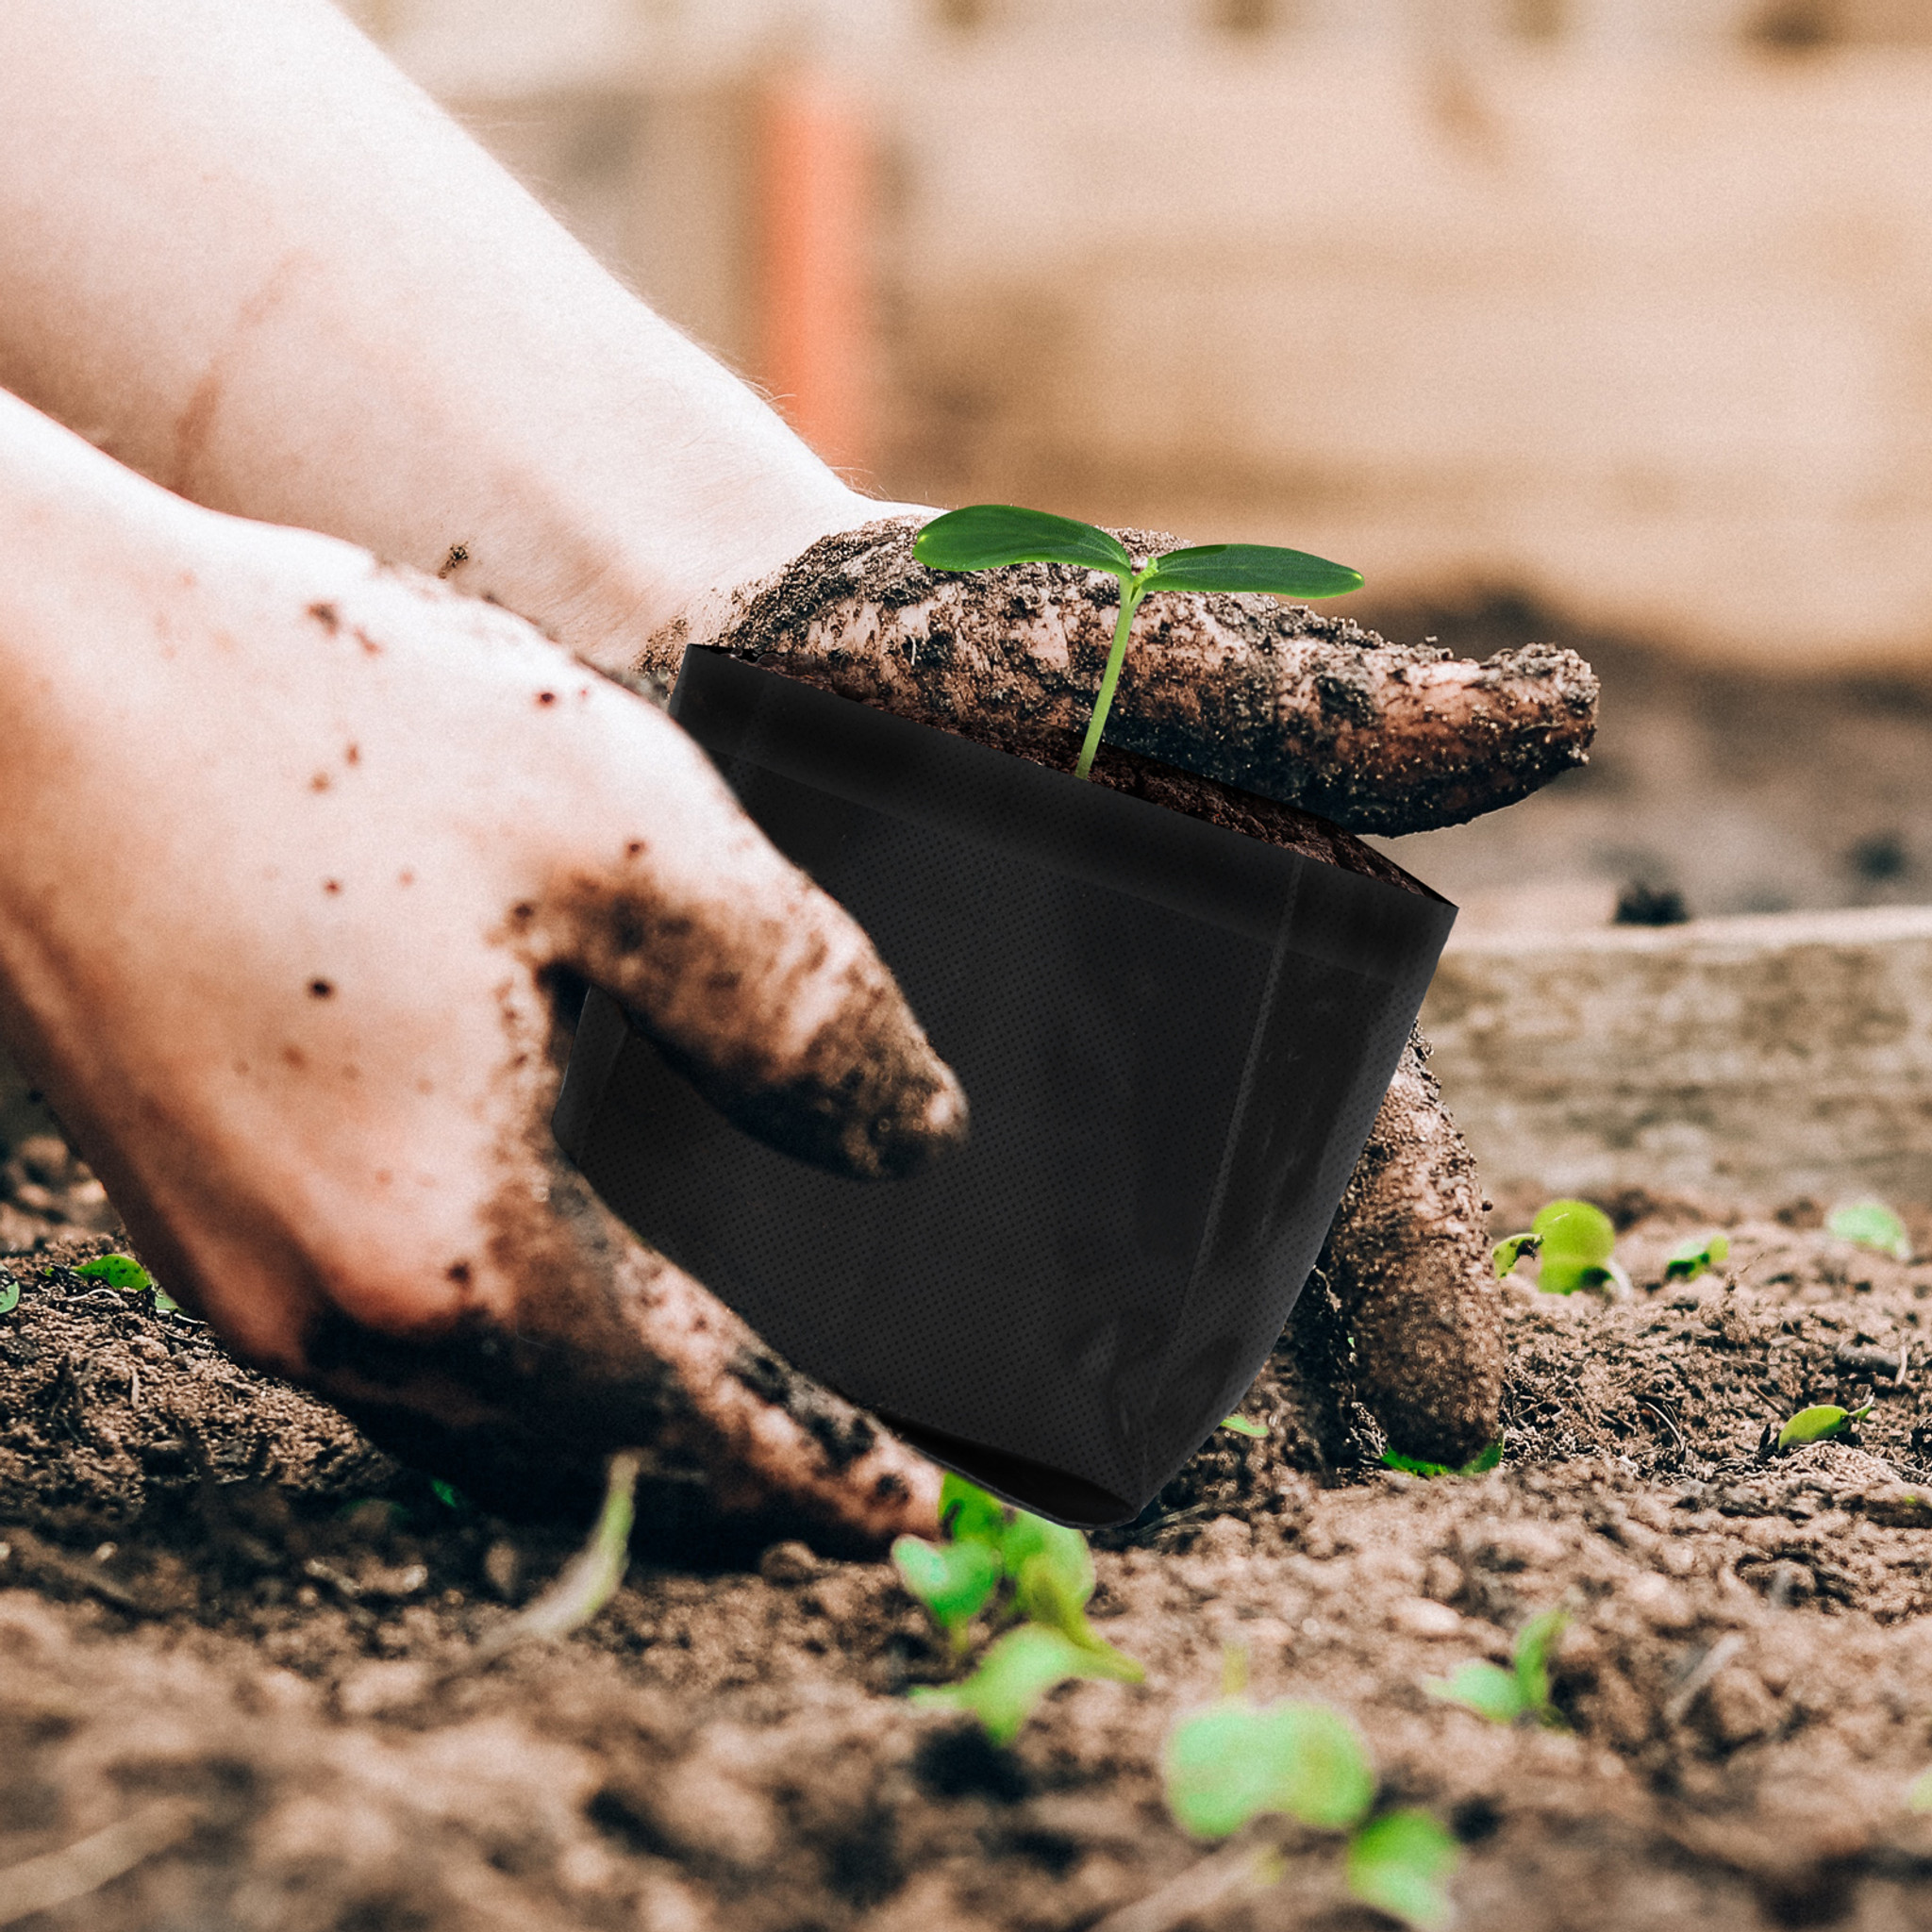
x: 305, y: 855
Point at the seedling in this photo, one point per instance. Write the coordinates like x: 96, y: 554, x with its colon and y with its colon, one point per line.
x: 1919, y: 1792
x: 1414, y: 1465
x: 1871, y: 1224
x: 1690, y: 1258
x: 1819, y: 1424
x: 124, y: 1271
x: 585, y: 1584
x: 10, y: 1292
x: 1506, y: 1696
x: 1575, y: 1243
x: 1017, y: 1670
x: 988, y: 535
x: 1242, y: 1426
x: 1050, y: 1570
x: 1235, y: 1761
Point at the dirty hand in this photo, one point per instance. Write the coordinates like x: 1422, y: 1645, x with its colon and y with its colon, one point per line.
x: 1305, y: 710
x: 302, y: 855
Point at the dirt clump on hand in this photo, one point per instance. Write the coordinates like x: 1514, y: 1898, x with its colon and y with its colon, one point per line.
x: 1273, y: 698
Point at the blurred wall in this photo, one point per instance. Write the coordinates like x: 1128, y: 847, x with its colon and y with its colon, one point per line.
x: 1626, y: 304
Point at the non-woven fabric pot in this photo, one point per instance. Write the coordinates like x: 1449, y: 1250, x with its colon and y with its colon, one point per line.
x: 1173, y: 1039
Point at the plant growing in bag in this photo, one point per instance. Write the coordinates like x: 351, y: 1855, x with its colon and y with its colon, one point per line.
x: 1175, y: 1030
x: 990, y: 536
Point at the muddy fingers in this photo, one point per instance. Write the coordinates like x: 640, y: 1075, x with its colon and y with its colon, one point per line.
x: 610, y: 1345
x: 1407, y: 1261
x: 1271, y: 698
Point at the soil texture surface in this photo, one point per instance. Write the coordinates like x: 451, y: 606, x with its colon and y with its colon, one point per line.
x: 240, y: 1687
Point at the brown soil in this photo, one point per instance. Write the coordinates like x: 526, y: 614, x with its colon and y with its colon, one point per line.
x: 224, y: 1616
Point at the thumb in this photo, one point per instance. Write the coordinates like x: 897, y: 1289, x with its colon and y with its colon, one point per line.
x: 755, y: 984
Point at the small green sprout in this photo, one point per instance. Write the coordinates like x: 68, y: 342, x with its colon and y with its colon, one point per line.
x: 1016, y: 1672
x: 1919, y: 1792
x: 1576, y: 1244
x: 124, y: 1272
x: 1513, y: 1249
x: 10, y: 1292
x: 117, y: 1271
x: 1401, y: 1863
x: 1690, y: 1258
x: 1522, y: 1690
x: 1414, y: 1465
x: 1819, y: 1424
x: 1242, y: 1426
x: 584, y: 1585
x: 952, y: 1580
x: 1871, y: 1224
x: 988, y: 536
x: 1235, y: 1761
x: 1051, y: 1570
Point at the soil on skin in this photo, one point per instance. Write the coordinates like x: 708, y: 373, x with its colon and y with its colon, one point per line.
x: 225, y: 1616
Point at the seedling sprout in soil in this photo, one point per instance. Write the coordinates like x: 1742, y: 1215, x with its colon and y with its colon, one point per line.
x: 1819, y: 1424
x: 1477, y: 1465
x: 1050, y: 1570
x: 1522, y: 1690
x: 1870, y: 1224
x: 1690, y: 1258
x: 988, y: 535
x: 1242, y: 1426
x: 1575, y: 1244
x: 1234, y: 1761
x: 124, y: 1271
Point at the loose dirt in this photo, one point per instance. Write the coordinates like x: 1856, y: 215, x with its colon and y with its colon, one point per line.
x: 228, y: 1626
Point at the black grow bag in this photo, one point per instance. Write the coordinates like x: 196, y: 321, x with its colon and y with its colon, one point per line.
x: 1174, y: 1039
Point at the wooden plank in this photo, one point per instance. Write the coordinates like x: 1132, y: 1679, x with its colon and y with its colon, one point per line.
x: 1762, y: 1058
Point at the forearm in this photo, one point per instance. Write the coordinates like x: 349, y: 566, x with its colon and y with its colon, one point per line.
x: 245, y: 256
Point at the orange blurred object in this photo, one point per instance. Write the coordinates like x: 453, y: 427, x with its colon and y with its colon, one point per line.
x: 815, y: 268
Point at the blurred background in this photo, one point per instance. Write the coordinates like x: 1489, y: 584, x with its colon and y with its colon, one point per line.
x: 1607, y: 322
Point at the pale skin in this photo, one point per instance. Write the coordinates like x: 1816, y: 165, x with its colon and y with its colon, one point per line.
x: 301, y: 847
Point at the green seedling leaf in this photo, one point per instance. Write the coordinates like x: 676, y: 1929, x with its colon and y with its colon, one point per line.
x: 1690, y: 1258
x: 1919, y: 1792
x: 1512, y: 1249
x: 1242, y: 1426
x: 1401, y: 1863
x: 448, y: 1495
x: 1819, y: 1422
x: 1013, y: 1675
x: 1488, y: 1690
x: 1044, y: 1595
x: 1871, y: 1224
x: 124, y: 1272
x: 1577, y: 1230
x: 968, y: 1514
x: 1251, y: 567
x: 1531, y: 1663
x: 1522, y: 1690
x: 986, y: 535
x: 117, y: 1271
x: 952, y: 1580
x: 1477, y: 1465
x: 10, y: 1292
x: 1578, y: 1244
x: 1233, y: 1761
x: 1051, y: 1570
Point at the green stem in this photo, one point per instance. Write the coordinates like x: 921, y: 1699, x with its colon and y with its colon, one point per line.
x: 1131, y: 594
